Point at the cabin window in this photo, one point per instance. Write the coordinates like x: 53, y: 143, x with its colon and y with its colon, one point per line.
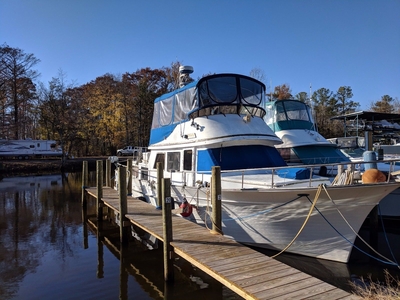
x: 160, y: 158
x: 31, y: 146
x: 187, y: 160
x: 144, y: 174
x: 173, y: 161
x: 38, y: 145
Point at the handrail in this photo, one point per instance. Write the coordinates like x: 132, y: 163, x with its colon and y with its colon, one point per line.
x: 181, y: 179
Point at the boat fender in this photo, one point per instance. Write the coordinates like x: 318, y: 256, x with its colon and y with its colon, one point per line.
x: 186, y: 208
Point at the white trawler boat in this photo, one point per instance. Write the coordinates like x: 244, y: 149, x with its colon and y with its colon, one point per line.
x: 218, y: 121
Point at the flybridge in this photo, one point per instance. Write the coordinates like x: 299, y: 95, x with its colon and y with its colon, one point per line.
x: 211, y: 95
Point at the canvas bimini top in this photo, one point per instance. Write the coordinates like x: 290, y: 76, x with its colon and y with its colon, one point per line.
x: 214, y: 94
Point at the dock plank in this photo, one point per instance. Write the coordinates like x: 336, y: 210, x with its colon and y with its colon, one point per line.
x: 286, y: 290
x: 250, y: 274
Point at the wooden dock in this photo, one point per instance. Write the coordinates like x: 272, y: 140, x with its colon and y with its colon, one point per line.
x: 250, y: 274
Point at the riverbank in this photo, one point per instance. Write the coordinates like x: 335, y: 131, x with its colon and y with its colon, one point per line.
x: 14, y: 167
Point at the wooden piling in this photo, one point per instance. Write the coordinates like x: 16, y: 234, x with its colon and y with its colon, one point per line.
x: 216, y: 200
x: 159, y: 184
x: 167, y: 230
x: 129, y: 174
x: 100, y: 255
x: 108, y: 173
x: 123, y: 206
x: 99, y: 185
x: 123, y: 273
x: 85, y: 228
x: 85, y: 171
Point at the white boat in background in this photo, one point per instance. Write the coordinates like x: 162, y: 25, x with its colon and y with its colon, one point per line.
x: 293, y: 123
x: 218, y: 121
x: 26, y: 149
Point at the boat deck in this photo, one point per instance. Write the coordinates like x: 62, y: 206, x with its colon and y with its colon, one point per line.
x: 250, y: 274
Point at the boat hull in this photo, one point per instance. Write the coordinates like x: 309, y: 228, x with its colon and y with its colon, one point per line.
x: 271, y: 218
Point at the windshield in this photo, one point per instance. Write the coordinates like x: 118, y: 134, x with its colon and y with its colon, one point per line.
x: 354, y: 152
x: 230, y: 94
x: 292, y: 110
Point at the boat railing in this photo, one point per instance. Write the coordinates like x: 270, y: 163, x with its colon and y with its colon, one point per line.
x: 191, y: 178
x: 352, y: 166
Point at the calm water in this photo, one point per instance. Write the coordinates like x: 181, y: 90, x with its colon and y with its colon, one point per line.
x: 48, y: 252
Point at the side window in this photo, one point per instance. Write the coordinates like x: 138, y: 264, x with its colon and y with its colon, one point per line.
x: 160, y: 158
x: 173, y: 161
x: 187, y: 160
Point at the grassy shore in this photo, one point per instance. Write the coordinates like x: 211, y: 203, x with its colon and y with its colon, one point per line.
x: 369, y: 290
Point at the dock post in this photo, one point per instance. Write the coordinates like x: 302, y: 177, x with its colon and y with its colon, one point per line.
x: 100, y: 255
x: 216, y: 200
x: 84, y: 182
x: 85, y: 228
x: 123, y: 273
x: 129, y: 174
x: 84, y: 203
x: 108, y: 173
x: 123, y: 206
x: 167, y: 230
x: 99, y: 185
x: 159, y: 185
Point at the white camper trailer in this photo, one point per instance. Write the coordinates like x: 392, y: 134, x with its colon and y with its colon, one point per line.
x: 26, y: 149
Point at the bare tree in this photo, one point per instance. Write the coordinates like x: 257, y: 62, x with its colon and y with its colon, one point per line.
x: 16, y: 84
x: 59, y: 113
x: 258, y: 74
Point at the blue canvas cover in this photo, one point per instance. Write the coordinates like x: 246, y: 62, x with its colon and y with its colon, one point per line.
x: 239, y: 157
x: 294, y: 173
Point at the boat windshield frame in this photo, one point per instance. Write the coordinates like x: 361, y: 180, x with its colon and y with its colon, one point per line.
x: 229, y: 94
x: 293, y: 111
x: 288, y: 114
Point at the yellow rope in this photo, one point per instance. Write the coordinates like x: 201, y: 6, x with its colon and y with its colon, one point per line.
x: 305, y: 221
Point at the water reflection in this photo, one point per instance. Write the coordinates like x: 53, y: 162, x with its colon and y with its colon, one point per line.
x: 47, y: 252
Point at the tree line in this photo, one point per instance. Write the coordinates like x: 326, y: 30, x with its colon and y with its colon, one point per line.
x: 112, y: 111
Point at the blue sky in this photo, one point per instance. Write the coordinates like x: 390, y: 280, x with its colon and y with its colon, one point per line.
x: 325, y: 43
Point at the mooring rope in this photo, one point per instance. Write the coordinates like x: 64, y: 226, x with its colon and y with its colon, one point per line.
x: 304, y: 223
x: 345, y: 178
x: 384, y: 232
x: 352, y: 229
